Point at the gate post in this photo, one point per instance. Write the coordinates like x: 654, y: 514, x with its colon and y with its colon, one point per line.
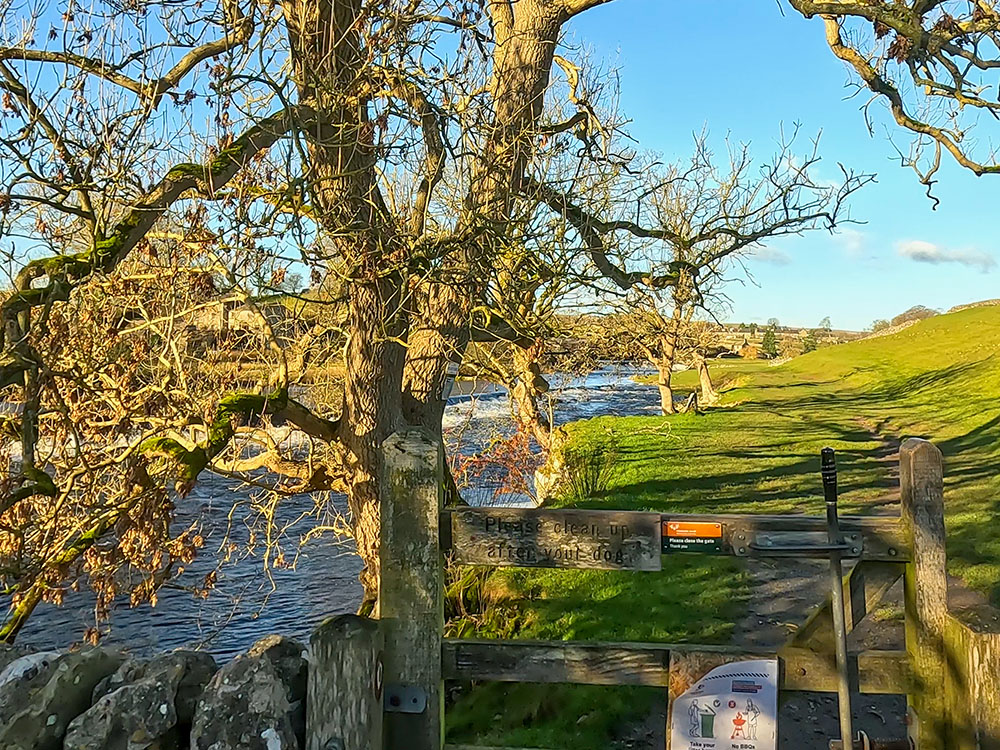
x: 925, y: 590
x: 344, y: 696
x: 411, y: 595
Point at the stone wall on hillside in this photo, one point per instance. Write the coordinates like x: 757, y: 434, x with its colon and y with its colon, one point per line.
x: 101, y: 699
x: 892, y: 329
x: 982, y: 303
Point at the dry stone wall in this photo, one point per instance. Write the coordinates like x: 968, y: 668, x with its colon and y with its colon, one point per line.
x: 101, y: 699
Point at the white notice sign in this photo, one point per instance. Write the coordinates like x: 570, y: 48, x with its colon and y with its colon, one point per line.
x: 733, y: 707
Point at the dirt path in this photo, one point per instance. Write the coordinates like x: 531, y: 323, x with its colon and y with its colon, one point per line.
x: 887, y: 455
x: 784, y: 593
x: 783, y: 596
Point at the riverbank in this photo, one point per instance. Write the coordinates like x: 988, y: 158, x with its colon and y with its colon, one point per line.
x: 757, y: 452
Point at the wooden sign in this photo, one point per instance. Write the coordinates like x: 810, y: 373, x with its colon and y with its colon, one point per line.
x: 538, y: 538
x: 692, y: 536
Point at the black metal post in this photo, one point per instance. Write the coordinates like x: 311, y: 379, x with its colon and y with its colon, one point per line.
x: 828, y: 470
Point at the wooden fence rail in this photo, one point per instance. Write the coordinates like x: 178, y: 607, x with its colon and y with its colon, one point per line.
x: 590, y: 663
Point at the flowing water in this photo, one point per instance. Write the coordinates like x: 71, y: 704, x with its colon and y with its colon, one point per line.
x: 250, y: 599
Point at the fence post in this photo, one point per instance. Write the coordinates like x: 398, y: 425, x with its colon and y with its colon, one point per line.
x: 925, y: 589
x: 344, y: 697
x: 411, y: 596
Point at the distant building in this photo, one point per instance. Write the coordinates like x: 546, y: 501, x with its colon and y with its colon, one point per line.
x: 223, y: 319
x: 248, y: 319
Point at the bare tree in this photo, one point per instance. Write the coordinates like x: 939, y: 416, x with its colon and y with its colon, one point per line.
x: 303, y: 133
x: 933, y: 62
x: 691, y: 224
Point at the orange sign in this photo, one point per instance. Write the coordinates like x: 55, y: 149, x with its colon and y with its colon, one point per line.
x: 681, y: 529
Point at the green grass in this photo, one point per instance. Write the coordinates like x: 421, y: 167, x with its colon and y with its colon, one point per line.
x: 758, y: 452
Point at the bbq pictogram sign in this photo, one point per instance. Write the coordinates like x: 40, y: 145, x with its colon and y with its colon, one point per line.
x: 692, y: 536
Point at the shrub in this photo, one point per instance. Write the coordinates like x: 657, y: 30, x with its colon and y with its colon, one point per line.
x: 589, y: 469
x: 477, y: 603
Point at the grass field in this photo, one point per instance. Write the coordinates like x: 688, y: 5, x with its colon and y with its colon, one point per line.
x: 757, y: 452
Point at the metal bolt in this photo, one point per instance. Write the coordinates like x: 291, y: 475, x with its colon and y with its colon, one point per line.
x: 892, y: 552
x: 742, y: 550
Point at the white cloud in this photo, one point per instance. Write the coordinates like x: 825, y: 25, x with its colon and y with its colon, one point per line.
x: 773, y: 256
x: 852, y: 241
x: 927, y: 252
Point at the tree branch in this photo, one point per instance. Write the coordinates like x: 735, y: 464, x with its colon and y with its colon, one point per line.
x: 431, y: 125
x: 591, y: 230
x: 232, y: 412
x: 12, y: 84
x: 65, y: 271
x: 575, y: 7
x: 99, y: 68
x: 880, y: 85
x: 919, y: 46
x: 242, y: 29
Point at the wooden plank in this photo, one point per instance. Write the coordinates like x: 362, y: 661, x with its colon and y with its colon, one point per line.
x: 925, y: 588
x: 864, y: 588
x: 594, y: 663
x: 878, y: 672
x: 540, y: 538
x: 867, y: 584
x: 411, y: 596
x: 581, y: 663
x: 344, y: 699
x: 480, y: 539
x: 882, y: 537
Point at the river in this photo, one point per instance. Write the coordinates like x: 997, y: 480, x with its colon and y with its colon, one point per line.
x: 248, y: 601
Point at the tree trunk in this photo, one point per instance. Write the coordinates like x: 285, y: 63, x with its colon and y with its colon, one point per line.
x: 709, y: 395
x: 665, y: 370
x: 526, y: 42
x: 665, y: 367
x: 328, y: 56
x: 529, y: 387
x: 384, y: 387
x: 439, y: 336
x: 372, y: 410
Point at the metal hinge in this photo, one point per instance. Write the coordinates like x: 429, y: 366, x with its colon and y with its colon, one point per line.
x: 405, y: 699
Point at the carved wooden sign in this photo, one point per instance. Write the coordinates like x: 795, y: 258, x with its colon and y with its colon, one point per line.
x: 539, y: 538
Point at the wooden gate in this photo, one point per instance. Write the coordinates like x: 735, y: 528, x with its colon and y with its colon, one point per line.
x: 384, y: 681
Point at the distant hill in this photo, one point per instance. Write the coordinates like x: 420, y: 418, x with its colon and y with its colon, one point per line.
x: 955, y: 356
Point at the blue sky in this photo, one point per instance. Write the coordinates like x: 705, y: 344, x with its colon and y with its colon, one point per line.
x: 745, y: 68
